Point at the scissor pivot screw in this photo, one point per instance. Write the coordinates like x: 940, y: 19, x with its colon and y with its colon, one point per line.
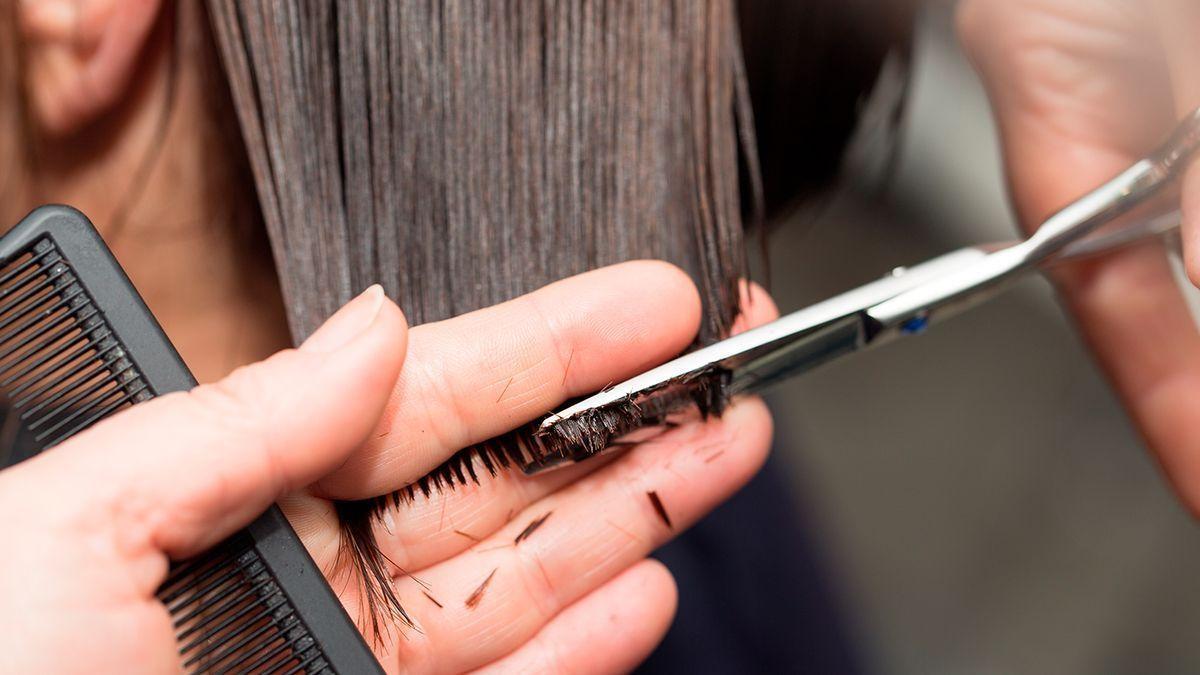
x: 916, y: 325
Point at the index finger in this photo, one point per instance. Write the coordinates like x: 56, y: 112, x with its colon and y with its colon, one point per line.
x: 475, y: 376
x: 1179, y: 23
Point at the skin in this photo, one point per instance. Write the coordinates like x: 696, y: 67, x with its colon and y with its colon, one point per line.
x: 1081, y: 89
x: 171, y: 477
x: 363, y: 407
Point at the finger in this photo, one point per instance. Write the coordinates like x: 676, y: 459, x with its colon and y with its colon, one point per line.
x: 1131, y: 311
x: 478, y: 375
x: 611, y: 630
x: 181, y: 472
x: 598, y: 527
x: 1179, y: 23
x: 758, y: 307
x: 1135, y: 320
x: 1128, y: 305
x: 426, y: 530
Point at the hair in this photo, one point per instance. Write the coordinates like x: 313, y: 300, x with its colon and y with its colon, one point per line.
x: 810, y: 66
x: 464, y: 153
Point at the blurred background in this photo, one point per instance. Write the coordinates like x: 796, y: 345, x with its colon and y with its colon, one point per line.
x: 979, y: 499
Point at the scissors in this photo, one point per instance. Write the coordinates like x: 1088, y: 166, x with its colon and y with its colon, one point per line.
x: 909, y: 300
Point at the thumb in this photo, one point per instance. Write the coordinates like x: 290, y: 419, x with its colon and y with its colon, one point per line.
x: 1179, y: 24
x: 179, y: 473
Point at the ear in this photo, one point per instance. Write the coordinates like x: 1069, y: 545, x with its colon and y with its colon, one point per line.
x: 80, y: 56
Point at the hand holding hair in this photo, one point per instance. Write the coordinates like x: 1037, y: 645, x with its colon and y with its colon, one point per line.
x: 102, y: 513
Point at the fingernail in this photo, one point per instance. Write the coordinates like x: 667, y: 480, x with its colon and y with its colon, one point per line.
x: 349, y: 322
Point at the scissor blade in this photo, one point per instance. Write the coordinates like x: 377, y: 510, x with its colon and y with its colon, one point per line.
x: 795, y: 343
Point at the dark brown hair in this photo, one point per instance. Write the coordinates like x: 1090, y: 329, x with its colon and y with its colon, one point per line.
x: 466, y: 152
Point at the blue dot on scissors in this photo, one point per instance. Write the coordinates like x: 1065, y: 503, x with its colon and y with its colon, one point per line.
x: 915, y: 325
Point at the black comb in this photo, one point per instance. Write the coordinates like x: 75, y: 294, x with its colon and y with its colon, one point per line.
x: 77, y: 344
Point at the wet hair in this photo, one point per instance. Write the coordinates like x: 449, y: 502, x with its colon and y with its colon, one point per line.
x: 464, y: 153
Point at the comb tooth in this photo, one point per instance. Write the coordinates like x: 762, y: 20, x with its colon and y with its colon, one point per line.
x: 34, y: 261
x: 230, y: 562
x: 284, y: 626
x: 222, y: 625
x: 245, y: 647
x: 54, y: 360
x: 32, y: 315
x: 81, y: 372
x: 260, y: 662
x: 249, y: 614
x: 311, y: 660
x: 43, y: 284
x: 207, y: 605
x: 219, y: 592
x: 199, y: 585
x: 20, y: 286
x: 57, y: 350
x: 188, y: 568
x: 71, y: 400
x: 87, y: 422
x: 138, y: 395
x: 221, y: 650
x: 39, y: 338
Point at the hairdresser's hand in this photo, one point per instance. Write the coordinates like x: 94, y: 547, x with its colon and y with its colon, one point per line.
x: 1081, y: 89
x: 90, y: 525
x: 578, y: 594
x: 87, y: 528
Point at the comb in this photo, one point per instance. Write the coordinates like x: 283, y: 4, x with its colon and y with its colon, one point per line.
x: 77, y: 344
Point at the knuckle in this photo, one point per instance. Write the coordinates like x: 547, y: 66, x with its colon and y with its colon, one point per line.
x: 241, y: 402
x: 550, y: 336
x: 538, y: 587
x: 239, y: 414
x: 443, y: 410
